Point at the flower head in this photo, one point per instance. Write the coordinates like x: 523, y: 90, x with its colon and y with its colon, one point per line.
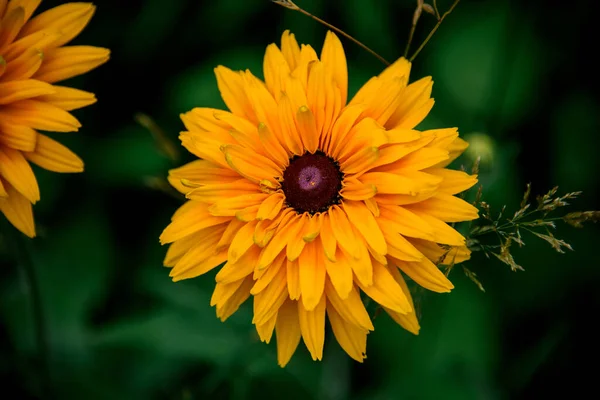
x: 33, y: 58
x: 310, y: 201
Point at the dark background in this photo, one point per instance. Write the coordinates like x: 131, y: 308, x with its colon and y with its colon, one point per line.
x: 516, y: 77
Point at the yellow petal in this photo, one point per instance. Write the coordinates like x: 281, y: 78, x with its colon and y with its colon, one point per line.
x: 313, y: 228
x: 53, y: 156
x: 195, y: 216
x: 262, y: 102
x: 273, y: 144
x: 224, y: 291
x: 398, y: 246
x: 351, y: 308
x: 226, y: 309
x: 307, y: 57
x: 265, y: 229
x: 343, y: 232
x: 290, y: 49
x: 265, y: 331
x: 426, y: 274
x: 447, y: 208
x: 267, y: 275
x: 453, y: 181
x: 69, y: 61
x: 360, y: 161
x: 42, y: 41
x: 392, y: 153
x: 200, y: 257
x: 18, y: 137
x: 221, y: 191
x: 327, y: 238
x: 39, y: 115
x: 271, y: 206
x: 200, y: 267
x: 69, y: 19
x: 12, y: 91
x: 231, y: 87
x: 388, y: 183
x: 24, y: 66
x: 307, y: 129
x: 365, y: 223
x: 15, y: 169
x: 312, y: 326
x: 403, y: 221
x: 295, y: 243
x: 340, y: 275
x: 341, y: 129
x: 352, y: 339
x: 242, y: 267
x: 28, y: 7
x: 290, y: 135
x: 420, y: 159
x: 287, y: 330
x: 360, y: 263
x: 269, y: 300
x: 202, y: 123
x: 293, y: 279
x: 408, y: 111
x: 229, y: 207
x: 442, y: 232
x: 241, y: 243
x: 386, y: 291
x: 250, y: 165
x: 409, y: 320
x: 201, y: 171
x: 68, y: 98
x: 178, y: 248
x: 11, y: 24
x: 17, y: 209
x: 3, y: 193
x: 440, y: 255
x: 334, y: 60
x: 284, y: 233
x: 312, y: 275
x: 399, y: 68
x: 275, y: 68
x: 204, y: 147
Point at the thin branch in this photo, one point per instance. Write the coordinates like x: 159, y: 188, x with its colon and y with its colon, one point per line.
x: 413, y: 27
x: 435, y: 28
x: 292, y: 6
x: 435, y: 8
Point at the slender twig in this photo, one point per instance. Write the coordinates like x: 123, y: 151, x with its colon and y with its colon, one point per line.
x: 437, y: 13
x: 292, y: 6
x: 41, y: 337
x: 413, y: 27
x: 435, y: 28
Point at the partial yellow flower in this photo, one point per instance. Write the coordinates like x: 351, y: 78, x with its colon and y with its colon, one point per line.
x: 33, y: 58
x: 312, y: 202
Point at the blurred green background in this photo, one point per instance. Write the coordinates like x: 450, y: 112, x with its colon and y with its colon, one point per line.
x: 514, y: 76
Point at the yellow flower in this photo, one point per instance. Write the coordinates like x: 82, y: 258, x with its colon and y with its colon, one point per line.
x: 33, y: 57
x: 310, y: 201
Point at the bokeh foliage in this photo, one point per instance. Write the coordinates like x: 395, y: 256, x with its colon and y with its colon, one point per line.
x: 513, y: 76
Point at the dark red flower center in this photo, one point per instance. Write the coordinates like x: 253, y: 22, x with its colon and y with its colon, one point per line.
x: 312, y: 183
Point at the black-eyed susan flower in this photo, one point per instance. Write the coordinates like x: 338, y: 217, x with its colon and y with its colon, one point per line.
x: 33, y: 58
x: 310, y: 201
